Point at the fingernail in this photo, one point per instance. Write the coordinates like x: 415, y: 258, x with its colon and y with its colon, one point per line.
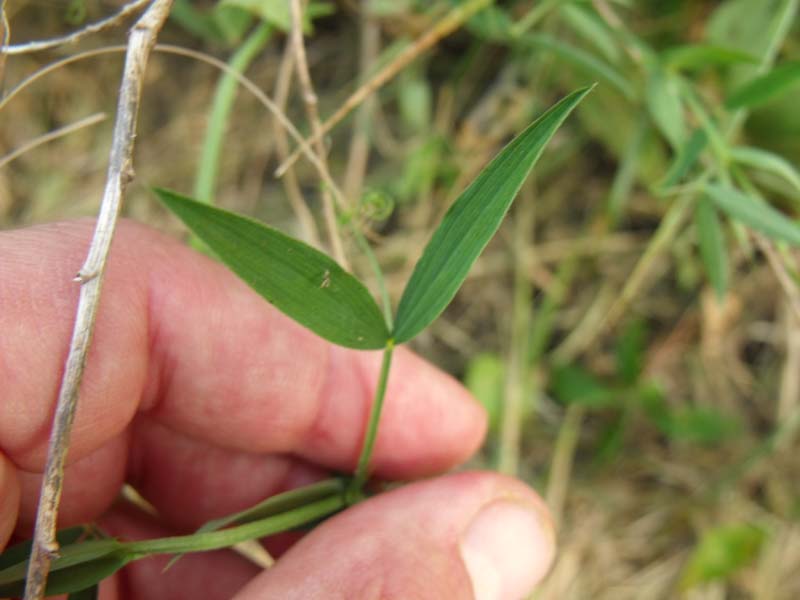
x: 507, y: 549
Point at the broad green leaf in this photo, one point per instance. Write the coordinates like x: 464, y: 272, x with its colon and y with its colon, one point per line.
x: 700, y: 56
x: 572, y: 384
x: 721, y: 552
x: 472, y: 221
x: 767, y: 161
x: 85, y: 575
x: 90, y: 593
x: 665, y: 105
x: 752, y: 27
x: 754, y: 213
x: 686, y: 157
x: 712, y: 245
x: 277, y: 11
x: 302, y: 282
x: 73, y: 570
x: 765, y: 87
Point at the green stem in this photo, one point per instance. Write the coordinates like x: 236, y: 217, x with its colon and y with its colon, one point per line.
x: 213, y: 540
x: 376, y: 269
x: 208, y: 166
x: 362, y: 470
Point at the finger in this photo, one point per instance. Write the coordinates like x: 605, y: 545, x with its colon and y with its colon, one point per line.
x: 471, y: 535
x: 191, y: 482
x: 207, y: 575
x: 9, y: 499
x: 180, y: 337
x: 90, y: 486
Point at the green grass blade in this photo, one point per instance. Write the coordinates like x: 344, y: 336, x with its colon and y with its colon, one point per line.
x: 472, y: 221
x: 712, y: 246
x: 300, y: 281
x: 685, y: 158
x: 769, y: 162
x: 224, y: 96
x: 700, y: 56
x: 754, y: 213
x: 765, y: 87
x: 90, y: 593
x: 665, y: 106
x: 583, y: 60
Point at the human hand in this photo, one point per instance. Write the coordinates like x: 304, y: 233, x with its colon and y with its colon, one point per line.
x: 208, y: 400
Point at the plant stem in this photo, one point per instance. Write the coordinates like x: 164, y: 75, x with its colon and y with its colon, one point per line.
x: 225, y: 94
x: 374, y: 418
x: 213, y: 540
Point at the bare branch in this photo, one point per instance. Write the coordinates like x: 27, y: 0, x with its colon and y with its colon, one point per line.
x: 110, y: 21
x: 140, y: 43
x: 310, y: 101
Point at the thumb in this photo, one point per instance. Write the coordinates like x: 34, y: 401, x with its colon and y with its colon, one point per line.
x: 464, y: 536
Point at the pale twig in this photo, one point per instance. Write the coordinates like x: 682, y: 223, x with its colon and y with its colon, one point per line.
x: 52, y: 135
x: 785, y: 280
x: 5, y: 38
x: 110, y: 21
x: 141, y: 41
x: 360, y: 141
x: 312, y: 113
x: 444, y: 27
x: 283, y: 85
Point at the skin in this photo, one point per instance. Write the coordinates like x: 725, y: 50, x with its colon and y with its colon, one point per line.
x: 208, y: 400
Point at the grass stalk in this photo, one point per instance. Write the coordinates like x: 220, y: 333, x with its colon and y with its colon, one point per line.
x: 362, y: 469
x: 224, y: 96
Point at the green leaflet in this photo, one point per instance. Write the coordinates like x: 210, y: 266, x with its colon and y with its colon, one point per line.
x: 686, y: 157
x: 721, y: 552
x: 701, y: 56
x: 665, y: 105
x: 472, y: 221
x: 712, y: 245
x: 300, y: 281
x: 765, y: 87
x: 754, y: 213
x: 769, y: 162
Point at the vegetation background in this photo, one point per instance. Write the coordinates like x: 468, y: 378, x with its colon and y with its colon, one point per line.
x: 635, y: 340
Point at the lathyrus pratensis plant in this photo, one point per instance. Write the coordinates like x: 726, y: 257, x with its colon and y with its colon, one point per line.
x: 315, y: 291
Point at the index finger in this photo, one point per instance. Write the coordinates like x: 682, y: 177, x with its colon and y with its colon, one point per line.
x: 181, y: 338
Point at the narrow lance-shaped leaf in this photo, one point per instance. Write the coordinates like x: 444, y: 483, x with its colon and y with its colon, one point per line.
x: 302, y: 282
x: 769, y: 162
x: 472, y: 221
x: 712, y: 246
x: 754, y: 213
x: 765, y: 87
